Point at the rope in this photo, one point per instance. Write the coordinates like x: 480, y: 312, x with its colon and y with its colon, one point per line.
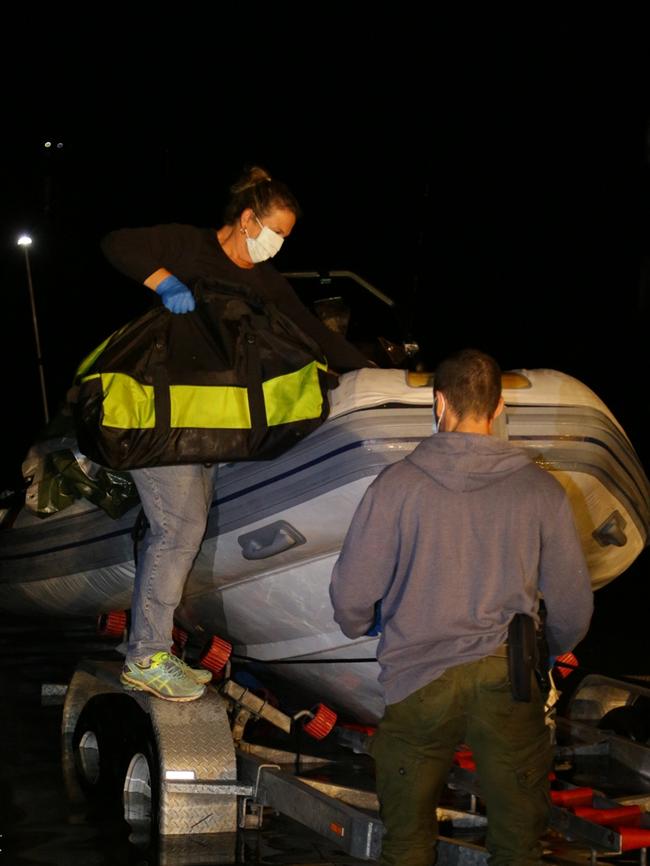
x: 639, y: 680
x: 300, y: 661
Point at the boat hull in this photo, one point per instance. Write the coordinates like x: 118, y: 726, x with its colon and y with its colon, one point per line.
x: 276, y: 527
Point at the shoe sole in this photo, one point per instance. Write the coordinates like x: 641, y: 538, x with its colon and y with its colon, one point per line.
x: 137, y: 686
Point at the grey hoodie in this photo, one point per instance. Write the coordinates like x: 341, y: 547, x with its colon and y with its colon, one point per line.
x: 454, y: 540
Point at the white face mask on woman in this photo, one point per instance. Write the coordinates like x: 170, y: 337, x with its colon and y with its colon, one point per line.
x: 265, y: 245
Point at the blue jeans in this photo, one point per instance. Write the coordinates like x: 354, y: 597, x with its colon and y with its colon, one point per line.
x: 176, y: 501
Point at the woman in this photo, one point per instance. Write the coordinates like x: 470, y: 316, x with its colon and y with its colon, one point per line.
x: 259, y: 216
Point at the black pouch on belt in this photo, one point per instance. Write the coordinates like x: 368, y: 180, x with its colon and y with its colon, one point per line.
x: 522, y: 655
x: 542, y: 671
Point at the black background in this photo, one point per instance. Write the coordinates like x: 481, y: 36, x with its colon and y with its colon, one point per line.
x: 490, y: 173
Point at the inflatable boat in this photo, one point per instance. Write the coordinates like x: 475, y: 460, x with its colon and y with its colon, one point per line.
x: 276, y: 527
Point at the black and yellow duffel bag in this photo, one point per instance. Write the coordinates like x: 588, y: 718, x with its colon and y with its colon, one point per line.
x: 235, y: 379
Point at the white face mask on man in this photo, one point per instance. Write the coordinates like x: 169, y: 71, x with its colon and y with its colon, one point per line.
x: 437, y: 421
x: 265, y: 245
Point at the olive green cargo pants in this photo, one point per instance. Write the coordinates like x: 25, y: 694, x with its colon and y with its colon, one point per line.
x: 414, y: 747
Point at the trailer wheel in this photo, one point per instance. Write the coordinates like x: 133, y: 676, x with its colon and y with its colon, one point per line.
x: 93, y: 753
x: 89, y: 758
x: 140, y: 791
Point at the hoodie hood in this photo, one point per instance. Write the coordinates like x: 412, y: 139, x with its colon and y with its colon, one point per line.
x: 467, y: 461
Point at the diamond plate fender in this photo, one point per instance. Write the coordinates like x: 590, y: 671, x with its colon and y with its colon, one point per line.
x: 193, y: 742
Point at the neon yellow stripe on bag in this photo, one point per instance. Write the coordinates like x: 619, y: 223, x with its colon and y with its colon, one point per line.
x: 90, y: 359
x: 294, y: 396
x: 209, y: 406
x: 127, y: 404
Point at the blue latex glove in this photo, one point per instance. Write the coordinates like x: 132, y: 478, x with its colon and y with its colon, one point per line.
x: 175, y: 295
x: 375, y: 628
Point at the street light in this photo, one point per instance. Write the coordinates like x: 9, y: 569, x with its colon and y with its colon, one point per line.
x: 25, y: 242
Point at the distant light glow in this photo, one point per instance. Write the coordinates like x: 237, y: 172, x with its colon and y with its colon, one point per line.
x: 48, y: 144
x: 60, y: 145
x: 24, y: 241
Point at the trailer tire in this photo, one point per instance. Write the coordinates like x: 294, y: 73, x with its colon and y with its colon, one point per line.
x: 93, y: 752
x: 141, y: 787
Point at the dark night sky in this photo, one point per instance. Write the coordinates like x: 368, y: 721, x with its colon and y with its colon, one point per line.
x: 493, y: 176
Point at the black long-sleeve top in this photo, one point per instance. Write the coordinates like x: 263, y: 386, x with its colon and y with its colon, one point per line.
x: 192, y: 253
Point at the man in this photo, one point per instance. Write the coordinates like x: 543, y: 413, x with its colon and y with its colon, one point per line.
x: 452, y: 542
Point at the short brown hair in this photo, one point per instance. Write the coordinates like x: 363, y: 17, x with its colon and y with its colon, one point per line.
x: 471, y: 382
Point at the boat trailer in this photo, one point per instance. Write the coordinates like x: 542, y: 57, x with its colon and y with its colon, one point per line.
x: 184, y: 769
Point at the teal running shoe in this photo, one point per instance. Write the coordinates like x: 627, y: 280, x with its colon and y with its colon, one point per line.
x: 163, y: 677
x: 199, y: 674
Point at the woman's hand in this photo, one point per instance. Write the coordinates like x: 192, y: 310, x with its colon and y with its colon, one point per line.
x: 175, y: 295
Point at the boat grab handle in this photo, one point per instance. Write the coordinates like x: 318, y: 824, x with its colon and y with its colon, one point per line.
x: 268, y: 540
